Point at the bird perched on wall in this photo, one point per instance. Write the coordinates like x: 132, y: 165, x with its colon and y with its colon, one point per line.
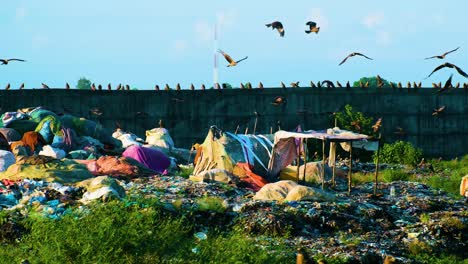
x: 328, y: 84
x: 231, y: 61
x: 45, y: 86
x: 339, y: 84
x: 312, y: 27
x: 399, y: 85
x: 109, y: 87
x: 419, y: 85
x: 216, y: 86
x: 248, y: 85
x: 278, y: 26
x: 156, y: 87
x: 392, y: 85
x: 312, y: 84
x: 99, y: 87
x: 93, y: 87
x: 377, y: 125
x: 435, y: 85
x: 192, y: 87
x: 7, y: 87
x: 260, y: 85
x: 348, y: 85
x: 242, y: 86
x: 361, y: 84
x: 443, y: 55
x: 119, y: 86
x: 127, y: 87
x: 352, y: 55
x: 67, y: 86
x: 438, y: 111
x: 283, y: 85
x: 178, y: 87
x: 295, y: 84
x: 408, y: 85
x: 21, y: 86
x: 203, y: 87
x: 279, y: 100
x: 449, y: 65
x: 319, y: 84
x: 6, y: 61
x: 167, y: 88
x: 380, y: 82
x: 457, y: 85
x: 447, y: 85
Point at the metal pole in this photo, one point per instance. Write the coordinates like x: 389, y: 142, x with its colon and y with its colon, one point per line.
x: 323, y: 163
x: 333, y: 165
x: 305, y: 158
x: 377, y: 168
x: 255, y: 125
x: 298, y: 162
x: 350, y: 166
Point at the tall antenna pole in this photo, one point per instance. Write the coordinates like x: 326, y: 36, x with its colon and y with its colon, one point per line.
x: 215, y: 69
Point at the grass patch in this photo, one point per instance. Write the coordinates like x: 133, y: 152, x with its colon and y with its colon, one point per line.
x: 129, y: 232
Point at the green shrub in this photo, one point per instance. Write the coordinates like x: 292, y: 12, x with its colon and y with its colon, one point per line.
x: 394, y: 175
x: 354, y: 121
x: 400, y: 152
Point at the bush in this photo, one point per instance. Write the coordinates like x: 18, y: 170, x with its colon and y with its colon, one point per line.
x: 354, y: 121
x: 400, y: 152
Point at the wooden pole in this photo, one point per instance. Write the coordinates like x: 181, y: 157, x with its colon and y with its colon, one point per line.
x: 333, y: 165
x: 305, y: 158
x: 237, y: 129
x: 298, y: 162
x: 246, y: 130
x: 323, y: 163
x: 350, y: 166
x: 377, y: 168
x: 255, y: 125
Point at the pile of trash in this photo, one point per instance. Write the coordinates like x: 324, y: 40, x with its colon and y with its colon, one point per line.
x: 52, y: 164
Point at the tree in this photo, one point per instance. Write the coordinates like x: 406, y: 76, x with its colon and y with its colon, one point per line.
x: 372, y: 82
x: 83, y: 84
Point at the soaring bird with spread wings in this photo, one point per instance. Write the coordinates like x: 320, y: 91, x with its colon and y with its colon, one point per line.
x: 449, y: 65
x: 354, y: 54
x: 278, y: 26
x: 232, y: 62
x: 443, y: 55
x: 6, y: 61
x: 312, y: 27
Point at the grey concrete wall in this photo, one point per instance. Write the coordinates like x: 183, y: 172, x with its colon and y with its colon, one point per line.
x: 188, y: 114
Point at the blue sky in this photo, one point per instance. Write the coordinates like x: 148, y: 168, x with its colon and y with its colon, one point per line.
x: 147, y: 42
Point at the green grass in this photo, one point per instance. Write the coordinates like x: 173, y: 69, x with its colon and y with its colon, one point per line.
x: 130, y: 232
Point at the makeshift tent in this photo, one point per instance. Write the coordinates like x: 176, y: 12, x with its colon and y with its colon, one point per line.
x: 223, y: 150
x: 285, y: 148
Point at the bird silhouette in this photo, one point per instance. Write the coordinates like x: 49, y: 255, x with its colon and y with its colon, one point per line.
x: 6, y: 61
x: 312, y: 27
x: 242, y: 86
x: 232, y: 62
x: 99, y: 87
x: 178, y: 87
x: 377, y: 125
x: 348, y: 85
x: 443, y: 55
x: 119, y: 86
x: 278, y: 26
x: 109, y: 87
x: 192, y: 87
x: 127, y: 87
x: 167, y: 88
x: 447, y: 85
x: 216, y: 86
x: 399, y: 85
x: 67, y: 86
x: 399, y: 131
x: 338, y: 84
x: 392, y: 85
x: 260, y: 85
x: 248, y: 85
x: 283, y: 85
x: 328, y: 83
x: 457, y: 85
x: 156, y: 87
x: 279, y: 100
x: 45, y: 86
x: 312, y: 84
x: 435, y: 85
x: 449, y: 65
x: 21, y: 86
x: 295, y: 84
x: 352, y: 55
x: 380, y: 82
x: 356, y: 124
x: 93, y: 87
x: 7, y: 87
x: 319, y: 84
x: 465, y: 85
x: 203, y: 87
x: 438, y: 111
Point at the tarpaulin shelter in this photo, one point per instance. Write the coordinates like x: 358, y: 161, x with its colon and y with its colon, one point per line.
x: 285, y: 149
x: 223, y: 150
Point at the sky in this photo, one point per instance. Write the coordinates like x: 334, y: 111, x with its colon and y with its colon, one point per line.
x: 147, y: 42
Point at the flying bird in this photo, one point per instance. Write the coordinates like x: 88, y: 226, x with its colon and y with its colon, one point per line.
x: 279, y: 100
x: 354, y: 54
x: 328, y: 83
x: 6, y: 61
x: 45, y: 86
x: 399, y: 131
x: 377, y: 125
x: 278, y: 26
x: 312, y: 27
x: 443, y: 55
x: 356, y: 124
x: 295, y: 84
x: 449, y: 65
x: 438, y: 111
x: 232, y: 62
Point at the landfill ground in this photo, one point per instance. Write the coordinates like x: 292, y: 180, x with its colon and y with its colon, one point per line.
x: 403, y: 219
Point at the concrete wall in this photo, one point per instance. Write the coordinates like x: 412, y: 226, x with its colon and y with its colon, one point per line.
x: 188, y: 114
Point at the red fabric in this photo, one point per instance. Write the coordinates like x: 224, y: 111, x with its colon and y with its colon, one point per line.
x: 256, y: 182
